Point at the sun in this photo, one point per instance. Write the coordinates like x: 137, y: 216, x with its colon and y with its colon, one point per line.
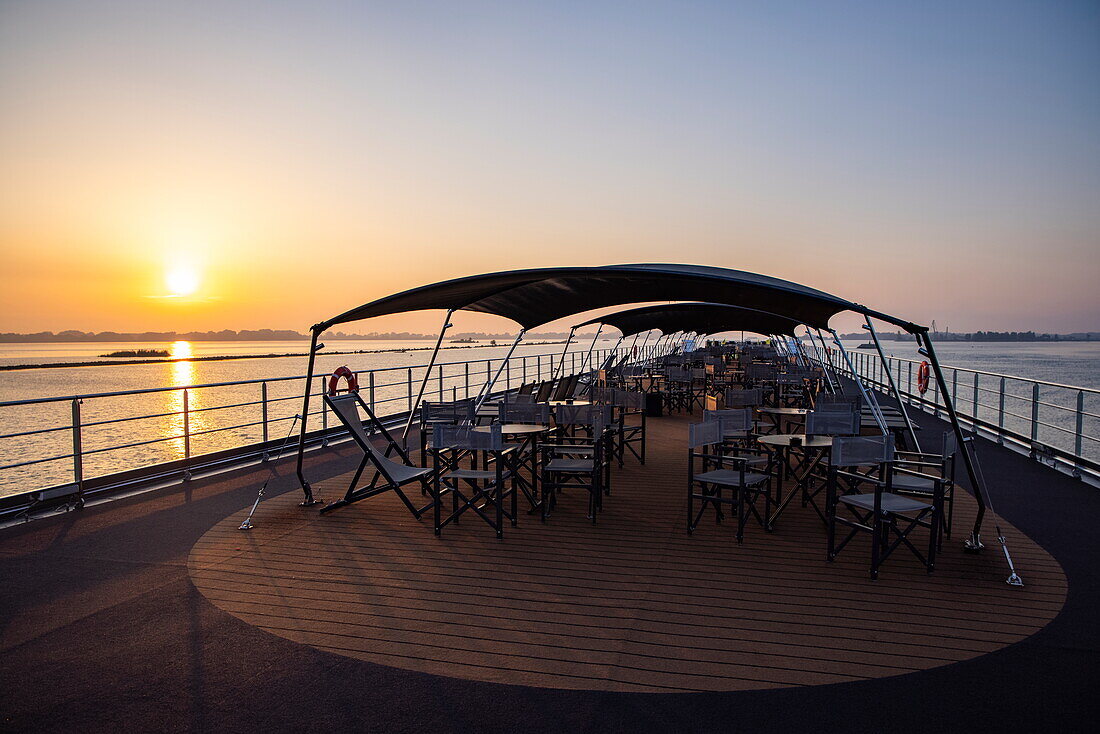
x: 182, y: 280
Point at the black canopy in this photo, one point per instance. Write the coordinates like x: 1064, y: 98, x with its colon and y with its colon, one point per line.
x: 702, y: 318
x: 537, y: 296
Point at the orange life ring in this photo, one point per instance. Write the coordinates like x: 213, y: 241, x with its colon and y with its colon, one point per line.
x: 334, y: 380
x: 922, y: 378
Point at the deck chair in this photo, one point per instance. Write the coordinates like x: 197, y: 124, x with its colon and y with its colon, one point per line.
x: 483, y: 490
x: 825, y: 400
x: 718, y: 473
x: 545, y: 390
x: 390, y: 476
x: 843, y: 422
x: 579, y: 458
x: 434, y: 414
x: 630, y: 436
x: 739, y: 398
x: 889, y: 518
x: 925, y: 474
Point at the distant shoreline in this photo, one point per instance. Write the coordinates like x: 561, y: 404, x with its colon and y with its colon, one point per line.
x: 225, y: 357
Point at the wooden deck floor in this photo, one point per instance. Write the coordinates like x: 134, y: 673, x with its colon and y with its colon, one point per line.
x: 632, y: 604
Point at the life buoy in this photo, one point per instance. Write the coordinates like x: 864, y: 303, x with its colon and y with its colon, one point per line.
x: 334, y: 380
x: 922, y: 378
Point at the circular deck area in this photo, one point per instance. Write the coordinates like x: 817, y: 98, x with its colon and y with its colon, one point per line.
x: 632, y: 604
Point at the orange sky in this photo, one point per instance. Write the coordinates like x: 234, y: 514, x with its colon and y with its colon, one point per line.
x: 388, y: 152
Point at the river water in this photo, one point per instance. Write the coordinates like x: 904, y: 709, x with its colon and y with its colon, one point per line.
x: 217, y: 417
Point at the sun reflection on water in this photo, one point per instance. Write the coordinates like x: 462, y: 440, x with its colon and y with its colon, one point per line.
x: 183, y: 375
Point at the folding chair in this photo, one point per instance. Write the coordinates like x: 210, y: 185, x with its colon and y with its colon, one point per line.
x: 709, y: 484
x: 483, y: 490
x: 389, y: 475
x: 545, y: 390
x: 825, y: 400
x: 742, y: 398
x: 631, y: 436
x: 434, y: 414
x: 888, y: 517
x: 925, y: 474
x: 579, y: 458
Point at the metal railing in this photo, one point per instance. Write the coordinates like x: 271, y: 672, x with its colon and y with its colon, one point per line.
x: 1054, y: 423
x: 117, y: 448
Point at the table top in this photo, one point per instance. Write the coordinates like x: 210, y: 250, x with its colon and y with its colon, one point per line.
x: 785, y: 411
x: 784, y: 439
x: 515, y: 429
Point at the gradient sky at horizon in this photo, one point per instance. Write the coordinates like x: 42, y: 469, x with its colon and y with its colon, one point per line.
x: 932, y: 160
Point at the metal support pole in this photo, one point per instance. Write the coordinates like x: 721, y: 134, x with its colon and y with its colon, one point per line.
x: 370, y: 389
x: 1001, y: 414
x: 263, y: 399
x: 829, y: 356
x: 1077, y: 434
x: 306, y: 489
x: 414, y: 404
x: 893, y: 385
x: 1034, y: 413
x: 561, y: 365
x: 867, y: 396
x: 584, y: 362
x: 186, y: 436
x: 974, y: 543
x: 78, y: 451
x: 487, y: 389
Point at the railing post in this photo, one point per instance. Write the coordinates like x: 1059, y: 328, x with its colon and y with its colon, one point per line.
x: 1001, y: 414
x: 409, y: 388
x: 975, y: 401
x: 1034, y: 415
x: 263, y: 400
x: 324, y: 414
x: 440, y: 383
x: 1077, y: 434
x: 508, y: 375
x: 370, y: 389
x: 523, y: 369
x: 909, y: 382
x: 78, y: 450
x: 186, y: 436
x: 466, y: 374
x: 955, y: 388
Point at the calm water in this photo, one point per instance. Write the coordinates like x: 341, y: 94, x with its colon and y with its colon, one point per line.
x: 217, y: 419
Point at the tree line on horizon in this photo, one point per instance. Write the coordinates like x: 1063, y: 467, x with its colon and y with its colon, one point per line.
x: 246, y: 335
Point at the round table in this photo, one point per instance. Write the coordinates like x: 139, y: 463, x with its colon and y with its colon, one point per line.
x: 525, y: 456
x: 782, y: 443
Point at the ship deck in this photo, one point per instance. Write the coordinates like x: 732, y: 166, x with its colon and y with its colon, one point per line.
x: 155, y: 612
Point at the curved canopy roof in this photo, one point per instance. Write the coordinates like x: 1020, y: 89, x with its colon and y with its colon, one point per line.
x: 538, y: 296
x: 702, y: 318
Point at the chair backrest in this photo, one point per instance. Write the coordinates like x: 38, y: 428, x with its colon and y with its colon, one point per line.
x: 346, y: 408
x: 833, y: 423
x: 861, y: 450
x: 561, y: 390
x: 468, y: 438
x: 520, y: 399
x: 545, y: 389
x: 760, y: 372
x: 706, y: 433
x: 526, y: 389
x: 825, y: 400
x: 456, y: 412
x: 737, y: 420
x: 597, y: 416
x: 698, y: 375
x: 949, y: 445
x: 629, y: 400
x: 738, y: 398
x: 533, y: 413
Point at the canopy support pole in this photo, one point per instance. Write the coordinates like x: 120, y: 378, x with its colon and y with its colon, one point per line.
x: 309, y: 499
x: 645, y: 341
x: 871, y: 402
x: 832, y: 368
x: 974, y: 542
x: 893, y: 385
x: 424, y: 383
x: 584, y: 362
x: 487, y: 389
x: 819, y: 357
x: 561, y: 362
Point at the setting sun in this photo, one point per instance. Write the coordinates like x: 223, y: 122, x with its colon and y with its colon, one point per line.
x: 182, y: 280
